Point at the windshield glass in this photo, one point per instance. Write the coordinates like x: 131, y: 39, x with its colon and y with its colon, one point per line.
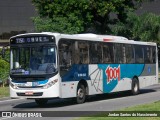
x: 33, y: 60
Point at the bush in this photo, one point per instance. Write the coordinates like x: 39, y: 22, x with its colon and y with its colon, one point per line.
x: 4, y: 68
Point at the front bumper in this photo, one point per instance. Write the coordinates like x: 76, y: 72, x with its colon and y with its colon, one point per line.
x: 52, y: 92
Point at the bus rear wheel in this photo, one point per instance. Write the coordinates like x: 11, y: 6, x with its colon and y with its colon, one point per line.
x: 135, y: 86
x: 81, y: 94
x: 41, y: 102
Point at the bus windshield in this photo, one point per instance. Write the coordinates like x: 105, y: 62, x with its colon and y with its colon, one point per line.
x: 33, y: 60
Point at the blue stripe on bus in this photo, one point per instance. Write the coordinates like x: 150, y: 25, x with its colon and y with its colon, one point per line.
x: 76, y: 73
x: 40, y: 82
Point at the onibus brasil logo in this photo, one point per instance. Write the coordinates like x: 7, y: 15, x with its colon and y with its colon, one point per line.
x: 113, y: 73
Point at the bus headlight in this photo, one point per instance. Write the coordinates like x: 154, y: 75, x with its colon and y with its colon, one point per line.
x: 50, y: 84
x: 13, y: 85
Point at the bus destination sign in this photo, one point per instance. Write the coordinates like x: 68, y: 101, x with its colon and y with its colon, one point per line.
x: 32, y: 39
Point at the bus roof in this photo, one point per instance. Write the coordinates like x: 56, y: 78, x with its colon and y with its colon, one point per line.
x: 90, y: 37
x: 105, y: 38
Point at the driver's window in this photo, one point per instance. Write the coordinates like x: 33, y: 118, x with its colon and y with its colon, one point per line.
x: 16, y: 63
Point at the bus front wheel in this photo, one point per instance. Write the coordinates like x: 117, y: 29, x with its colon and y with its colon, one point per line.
x: 135, y: 86
x: 81, y: 94
x: 41, y: 102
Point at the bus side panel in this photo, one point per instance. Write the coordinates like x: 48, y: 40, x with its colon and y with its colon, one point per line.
x: 106, y: 78
x: 148, y: 76
x: 128, y: 71
x: 95, y: 83
x: 124, y: 84
x: 117, y: 77
x: 91, y: 73
x: 71, y: 79
x: 68, y: 89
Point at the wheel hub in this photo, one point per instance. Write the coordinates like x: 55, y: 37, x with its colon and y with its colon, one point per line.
x: 135, y: 87
x: 80, y: 93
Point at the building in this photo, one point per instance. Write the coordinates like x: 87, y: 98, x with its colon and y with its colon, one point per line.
x: 15, y: 15
x: 152, y: 6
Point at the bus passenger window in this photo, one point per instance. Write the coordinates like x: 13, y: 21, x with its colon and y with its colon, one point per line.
x: 95, y: 52
x: 65, y: 55
x: 153, y: 54
x: 147, y: 54
x: 106, y: 54
x: 83, y: 52
x: 129, y: 54
x: 119, y: 53
x: 139, y: 54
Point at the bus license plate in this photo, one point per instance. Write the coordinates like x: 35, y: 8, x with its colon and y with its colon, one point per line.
x: 29, y: 93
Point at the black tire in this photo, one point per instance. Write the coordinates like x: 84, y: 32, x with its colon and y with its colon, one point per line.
x: 81, y: 94
x: 41, y: 102
x: 135, y: 86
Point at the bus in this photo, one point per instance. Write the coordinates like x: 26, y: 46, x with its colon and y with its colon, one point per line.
x: 49, y: 65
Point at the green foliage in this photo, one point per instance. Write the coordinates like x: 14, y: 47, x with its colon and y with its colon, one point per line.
x: 145, y: 27
x: 4, y: 70
x: 71, y: 16
x: 77, y: 16
x: 4, y: 66
x: 7, y: 55
x: 58, y: 24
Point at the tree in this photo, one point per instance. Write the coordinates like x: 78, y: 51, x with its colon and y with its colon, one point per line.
x: 4, y: 66
x: 78, y: 16
x: 4, y: 70
x: 145, y: 27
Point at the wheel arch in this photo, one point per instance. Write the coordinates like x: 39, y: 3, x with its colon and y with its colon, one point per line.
x: 135, y: 77
x: 84, y: 82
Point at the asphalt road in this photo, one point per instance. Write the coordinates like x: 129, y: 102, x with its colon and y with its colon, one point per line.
x: 66, y: 107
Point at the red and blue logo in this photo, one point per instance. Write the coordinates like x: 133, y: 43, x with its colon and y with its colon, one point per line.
x: 113, y: 73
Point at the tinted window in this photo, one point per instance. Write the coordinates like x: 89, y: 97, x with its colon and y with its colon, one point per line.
x: 108, y: 53
x: 139, y: 54
x: 154, y: 54
x: 82, y: 52
x: 120, y: 56
x: 66, y: 48
x: 129, y: 53
x: 72, y: 52
x: 147, y: 54
x: 95, y: 52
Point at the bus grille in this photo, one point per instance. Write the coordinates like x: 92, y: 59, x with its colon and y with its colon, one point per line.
x: 30, y: 86
x: 34, y: 94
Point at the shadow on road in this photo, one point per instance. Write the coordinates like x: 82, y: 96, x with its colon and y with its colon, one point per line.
x: 55, y: 103
x: 117, y: 95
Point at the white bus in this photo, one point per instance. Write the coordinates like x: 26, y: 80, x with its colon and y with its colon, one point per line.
x: 52, y: 65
